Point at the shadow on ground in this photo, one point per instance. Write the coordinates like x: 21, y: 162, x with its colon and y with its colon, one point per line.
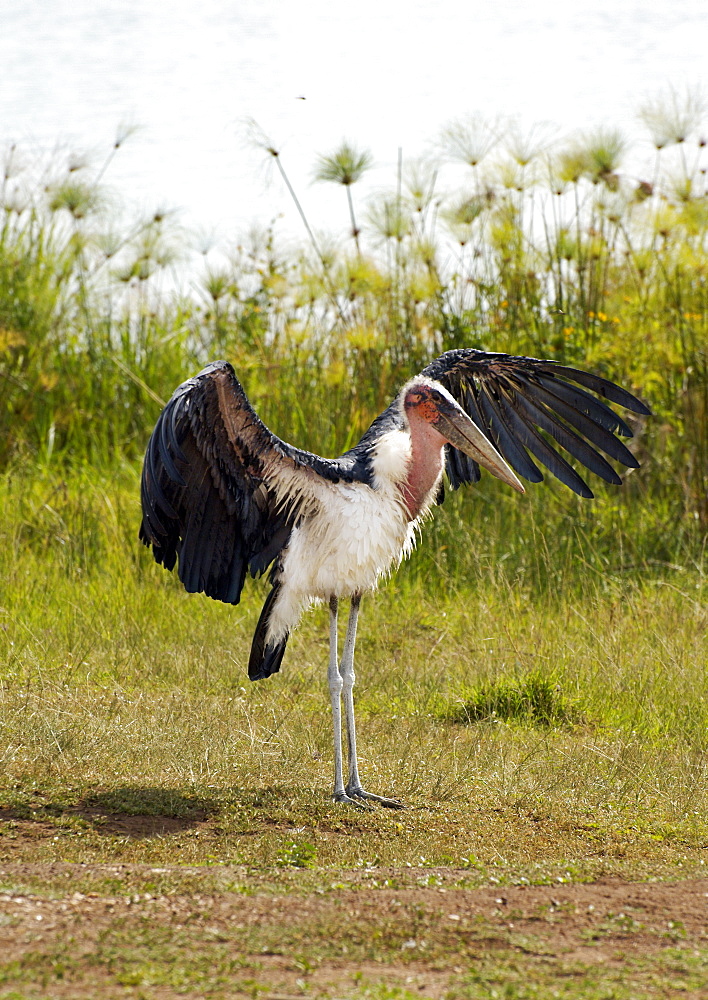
x: 136, y: 812
x: 140, y: 812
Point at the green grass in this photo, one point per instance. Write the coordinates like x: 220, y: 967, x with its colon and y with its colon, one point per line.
x: 552, y: 251
x: 581, y: 714
x: 142, y: 771
x: 536, y: 699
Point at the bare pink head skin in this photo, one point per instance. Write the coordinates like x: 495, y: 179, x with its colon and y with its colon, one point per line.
x: 435, y: 419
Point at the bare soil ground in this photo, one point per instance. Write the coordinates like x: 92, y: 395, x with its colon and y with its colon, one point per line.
x: 348, y: 936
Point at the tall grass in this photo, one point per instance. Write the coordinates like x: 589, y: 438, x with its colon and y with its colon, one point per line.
x: 499, y: 239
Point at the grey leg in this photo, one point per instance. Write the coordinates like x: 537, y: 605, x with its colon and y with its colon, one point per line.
x: 334, y: 678
x: 354, y: 789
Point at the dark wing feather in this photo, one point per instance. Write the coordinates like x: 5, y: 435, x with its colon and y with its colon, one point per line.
x: 265, y: 659
x: 514, y: 399
x: 561, y: 398
x: 568, y: 439
x: 219, y: 492
x: 501, y: 429
x: 460, y: 467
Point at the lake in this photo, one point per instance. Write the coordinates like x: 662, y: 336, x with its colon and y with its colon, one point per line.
x: 386, y: 75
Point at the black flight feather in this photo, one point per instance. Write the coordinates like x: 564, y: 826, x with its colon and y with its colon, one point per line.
x: 512, y: 399
x: 265, y: 658
x: 207, y: 488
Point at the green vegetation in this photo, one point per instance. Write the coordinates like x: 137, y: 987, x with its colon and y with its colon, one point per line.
x: 532, y: 682
x: 535, y: 698
x: 503, y: 240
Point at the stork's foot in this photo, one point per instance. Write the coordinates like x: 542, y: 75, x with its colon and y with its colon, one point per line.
x: 357, y: 792
x: 347, y: 800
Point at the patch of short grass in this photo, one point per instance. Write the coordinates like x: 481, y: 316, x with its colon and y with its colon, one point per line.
x: 536, y: 699
x: 667, y: 974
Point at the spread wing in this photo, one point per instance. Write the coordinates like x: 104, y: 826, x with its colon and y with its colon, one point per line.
x: 220, y: 492
x: 513, y: 399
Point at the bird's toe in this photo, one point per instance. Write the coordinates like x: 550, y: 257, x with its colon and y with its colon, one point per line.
x: 347, y: 800
x: 357, y: 792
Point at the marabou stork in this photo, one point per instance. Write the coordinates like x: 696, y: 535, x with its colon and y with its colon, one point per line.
x: 225, y: 496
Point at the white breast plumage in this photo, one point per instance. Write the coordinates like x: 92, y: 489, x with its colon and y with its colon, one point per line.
x: 357, y: 536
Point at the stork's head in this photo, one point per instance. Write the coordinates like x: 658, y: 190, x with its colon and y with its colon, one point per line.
x: 426, y: 402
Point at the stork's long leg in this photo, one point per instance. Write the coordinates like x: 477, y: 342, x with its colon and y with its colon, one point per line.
x: 335, y: 690
x: 354, y: 789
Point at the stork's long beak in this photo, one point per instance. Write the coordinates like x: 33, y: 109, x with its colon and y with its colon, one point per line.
x: 464, y: 434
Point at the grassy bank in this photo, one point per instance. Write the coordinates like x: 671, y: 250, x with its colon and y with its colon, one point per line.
x: 174, y: 823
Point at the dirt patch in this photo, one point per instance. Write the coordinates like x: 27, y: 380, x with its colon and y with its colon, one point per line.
x: 160, y: 814
x: 116, y: 824
x: 426, y: 940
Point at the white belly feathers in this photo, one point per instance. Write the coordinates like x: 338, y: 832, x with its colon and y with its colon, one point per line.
x: 357, y: 535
